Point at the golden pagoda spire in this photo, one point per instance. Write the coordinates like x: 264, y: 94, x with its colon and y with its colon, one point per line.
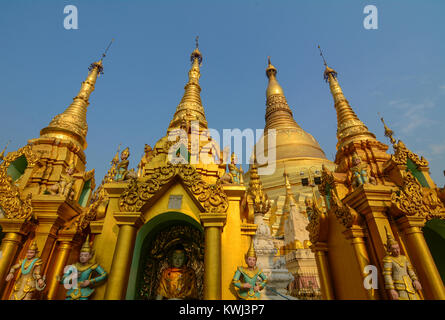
x: 289, y: 194
x: 286, y: 182
x: 72, y: 123
x: 190, y: 108
x: 278, y: 113
x: 349, y: 126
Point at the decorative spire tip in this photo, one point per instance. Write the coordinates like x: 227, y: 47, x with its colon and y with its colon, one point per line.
x: 388, y: 132
x: 196, y: 54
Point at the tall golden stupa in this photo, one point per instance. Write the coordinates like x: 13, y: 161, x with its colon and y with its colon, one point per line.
x: 185, y: 224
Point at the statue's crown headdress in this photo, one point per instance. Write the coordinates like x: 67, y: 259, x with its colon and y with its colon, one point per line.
x: 86, y: 245
x: 389, y: 239
x: 251, y: 252
x: 33, y: 246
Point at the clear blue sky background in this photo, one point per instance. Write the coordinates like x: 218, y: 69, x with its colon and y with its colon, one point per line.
x: 396, y: 70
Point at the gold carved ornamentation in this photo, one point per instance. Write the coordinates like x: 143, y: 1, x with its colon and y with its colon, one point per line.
x: 402, y: 154
x: 327, y: 181
x: 13, y: 206
x: 212, y: 197
x: 346, y: 215
x: 316, y: 218
x: 261, y: 202
x: 413, y: 200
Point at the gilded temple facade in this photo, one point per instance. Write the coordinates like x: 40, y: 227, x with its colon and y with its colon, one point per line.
x: 182, y: 211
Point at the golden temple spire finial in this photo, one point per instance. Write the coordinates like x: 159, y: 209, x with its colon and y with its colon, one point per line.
x: 328, y: 71
x: 106, y: 50
x: 190, y: 108
x: 196, y: 54
x: 388, y: 132
x: 322, y: 56
x: 72, y: 123
x: 349, y: 126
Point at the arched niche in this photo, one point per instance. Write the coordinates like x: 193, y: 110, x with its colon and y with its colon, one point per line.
x: 17, y: 168
x: 144, y: 239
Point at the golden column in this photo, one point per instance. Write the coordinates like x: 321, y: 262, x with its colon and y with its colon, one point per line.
x: 320, y: 250
x: 357, y: 234
x: 14, y: 230
x: 65, y: 244
x: 213, y: 223
x: 129, y: 223
x: 421, y: 257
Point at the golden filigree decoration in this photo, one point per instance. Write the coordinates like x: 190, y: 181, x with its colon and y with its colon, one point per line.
x: 327, y: 181
x: 13, y: 206
x: 346, y: 215
x: 212, y: 197
x: 316, y: 219
x: 409, y: 199
x: 402, y: 154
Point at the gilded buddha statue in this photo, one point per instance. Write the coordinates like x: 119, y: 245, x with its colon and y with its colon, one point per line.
x: 178, y: 282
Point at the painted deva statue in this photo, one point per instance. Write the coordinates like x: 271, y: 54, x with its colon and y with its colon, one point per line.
x: 82, y: 277
x: 248, y: 282
x: 359, y: 171
x: 122, y: 172
x: 235, y: 174
x: 178, y: 282
x: 28, y: 279
x: 400, y: 278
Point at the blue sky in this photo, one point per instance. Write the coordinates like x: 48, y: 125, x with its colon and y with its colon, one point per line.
x: 396, y: 70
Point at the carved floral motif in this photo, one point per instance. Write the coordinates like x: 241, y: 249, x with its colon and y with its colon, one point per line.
x: 212, y: 197
x: 12, y: 205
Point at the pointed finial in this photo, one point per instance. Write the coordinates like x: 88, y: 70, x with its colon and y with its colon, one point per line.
x: 322, y: 56
x: 116, y: 157
x: 106, y: 50
x: 98, y: 64
x: 196, y: 54
x: 270, y: 70
x: 327, y: 70
x: 388, y: 132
